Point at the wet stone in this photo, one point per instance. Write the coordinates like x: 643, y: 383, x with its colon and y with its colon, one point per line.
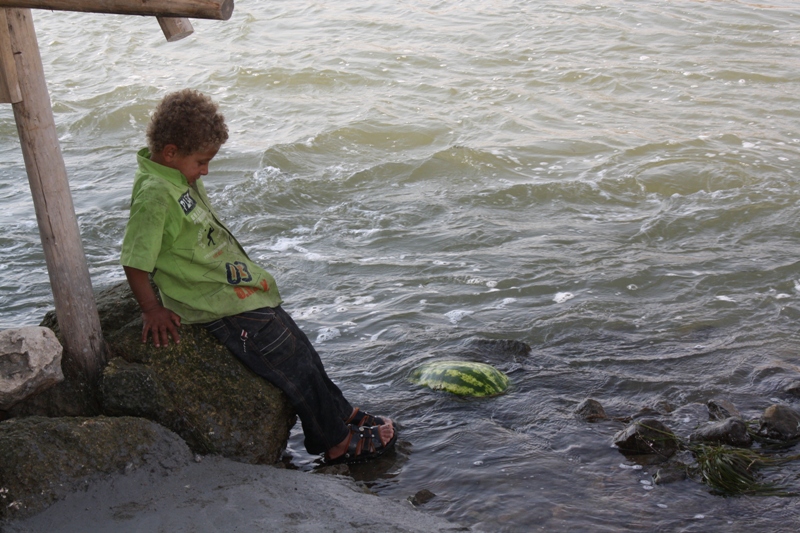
x: 732, y: 431
x: 421, y: 498
x: 780, y: 422
x: 591, y: 410
x: 721, y: 409
x: 647, y: 436
x: 793, y: 388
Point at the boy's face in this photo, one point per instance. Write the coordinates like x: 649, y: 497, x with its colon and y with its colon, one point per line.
x: 193, y: 165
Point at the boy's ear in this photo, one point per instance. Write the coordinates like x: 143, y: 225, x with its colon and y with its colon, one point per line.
x: 169, y: 152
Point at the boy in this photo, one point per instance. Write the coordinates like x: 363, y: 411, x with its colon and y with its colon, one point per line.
x: 205, y: 277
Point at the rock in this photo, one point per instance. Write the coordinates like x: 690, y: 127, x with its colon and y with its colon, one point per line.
x: 591, y: 410
x: 793, y: 388
x: 421, y: 497
x: 721, y: 409
x: 197, y: 388
x: 732, y: 431
x: 671, y: 473
x: 500, y: 346
x: 44, y: 459
x: 780, y: 422
x: 30, y: 362
x: 647, y: 436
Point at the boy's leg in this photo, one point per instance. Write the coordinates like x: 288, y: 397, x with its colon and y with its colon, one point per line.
x: 270, y: 344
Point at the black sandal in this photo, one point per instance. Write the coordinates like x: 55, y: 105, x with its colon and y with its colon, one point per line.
x: 364, y: 444
x: 363, y: 418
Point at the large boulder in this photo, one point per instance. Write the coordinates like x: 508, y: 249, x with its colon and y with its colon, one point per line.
x: 44, y: 459
x: 30, y: 362
x: 197, y: 388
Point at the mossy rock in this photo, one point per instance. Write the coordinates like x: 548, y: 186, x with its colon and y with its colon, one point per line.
x: 196, y: 388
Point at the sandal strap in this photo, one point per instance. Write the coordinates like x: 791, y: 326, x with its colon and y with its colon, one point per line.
x: 364, y: 440
x: 363, y: 418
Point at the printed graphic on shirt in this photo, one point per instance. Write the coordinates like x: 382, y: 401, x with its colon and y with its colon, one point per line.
x: 244, y: 292
x: 237, y: 273
x: 187, y: 203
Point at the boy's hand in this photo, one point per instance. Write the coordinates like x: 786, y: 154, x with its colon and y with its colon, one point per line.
x: 162, y: 324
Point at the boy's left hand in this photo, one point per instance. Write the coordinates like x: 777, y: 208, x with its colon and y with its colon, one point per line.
x: 162, y: 324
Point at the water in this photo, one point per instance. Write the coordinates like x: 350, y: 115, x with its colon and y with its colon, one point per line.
x: 615, y: 184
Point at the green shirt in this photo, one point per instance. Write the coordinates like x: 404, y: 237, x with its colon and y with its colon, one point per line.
x: 201, y: 271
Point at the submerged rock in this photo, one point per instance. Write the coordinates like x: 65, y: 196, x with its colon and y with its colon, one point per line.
x: 721, y: 409
x: 793, y: 388
x: 30, y: 362
x: 732, y: 431
x: 421, y: 497
x: 509, y: 347
x: 591, y: 410
x: 44, y: 459
x: 647, y: 436
x: 780, y: 422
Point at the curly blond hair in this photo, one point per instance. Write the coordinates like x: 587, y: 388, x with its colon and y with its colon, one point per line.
x: 189, y: 120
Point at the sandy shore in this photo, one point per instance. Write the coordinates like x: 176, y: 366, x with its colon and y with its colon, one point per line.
x: 219, y: 495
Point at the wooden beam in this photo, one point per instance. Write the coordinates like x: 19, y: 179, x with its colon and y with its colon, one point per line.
x: 58, y: 226
x: 196, y: 9
x: 175, y: 28
x: 9, y: 85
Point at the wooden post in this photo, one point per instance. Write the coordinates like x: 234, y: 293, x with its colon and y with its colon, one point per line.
x: 58, y: 226
x: 9, y: 86
x: 175, y: 28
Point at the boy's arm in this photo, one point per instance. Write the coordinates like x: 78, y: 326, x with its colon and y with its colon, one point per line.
x: 156, y: 318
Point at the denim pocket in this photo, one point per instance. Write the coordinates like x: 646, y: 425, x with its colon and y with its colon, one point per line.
x: 263, y: 332
x: 219, y: 330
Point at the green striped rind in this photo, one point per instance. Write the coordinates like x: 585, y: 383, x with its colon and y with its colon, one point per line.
x: 462, y: 378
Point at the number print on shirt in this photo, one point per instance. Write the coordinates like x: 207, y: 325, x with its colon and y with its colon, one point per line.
x: 237, y: 273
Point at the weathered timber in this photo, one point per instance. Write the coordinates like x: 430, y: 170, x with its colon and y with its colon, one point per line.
x: 197, y: 9
x: 9, y: 85
x: 58, y: 226
x: 175, y: 28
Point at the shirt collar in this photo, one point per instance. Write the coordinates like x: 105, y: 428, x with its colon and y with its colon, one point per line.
x: 171, y: 175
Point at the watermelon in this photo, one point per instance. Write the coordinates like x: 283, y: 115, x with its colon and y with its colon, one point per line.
x: 461, y: 377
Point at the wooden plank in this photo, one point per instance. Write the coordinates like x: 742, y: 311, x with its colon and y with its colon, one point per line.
x: 58, y: 226
x: 175, y: 28
x: 9, y: 86
x: 196, y: 9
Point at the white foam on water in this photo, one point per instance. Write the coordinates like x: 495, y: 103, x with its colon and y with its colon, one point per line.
x: 796, y: 286
x: 782, y: 296
x: 326, y: 334
x: 562, y: 297
x: 457, y: 315
x: 725, y: 299
x: 305, y: 313
x: 372, y: 386
x: 284, y: 244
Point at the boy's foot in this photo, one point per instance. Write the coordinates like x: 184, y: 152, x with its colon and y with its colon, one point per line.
x: 363, y: 418
x: 363, y: 443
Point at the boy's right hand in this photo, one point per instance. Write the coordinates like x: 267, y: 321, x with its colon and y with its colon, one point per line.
x: 162, y: 324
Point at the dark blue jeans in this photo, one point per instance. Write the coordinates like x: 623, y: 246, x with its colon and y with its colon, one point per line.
x: 269, y: 342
